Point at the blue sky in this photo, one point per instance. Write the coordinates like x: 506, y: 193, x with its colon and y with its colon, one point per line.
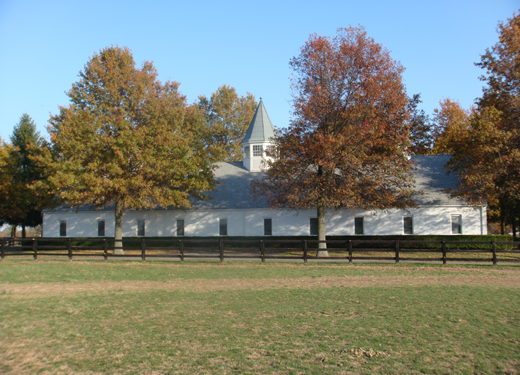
x: 248, y: 45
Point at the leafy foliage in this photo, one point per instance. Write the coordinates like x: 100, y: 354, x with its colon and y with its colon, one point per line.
x: 21, y: 205
x: 227, y: 117
x: 347, y: 140
x: 451, y: 123
x: 488, y: 161
x: 421, y: 136
x: 127, y: 140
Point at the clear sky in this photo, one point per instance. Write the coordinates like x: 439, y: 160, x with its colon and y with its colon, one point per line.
x: 245, y: 44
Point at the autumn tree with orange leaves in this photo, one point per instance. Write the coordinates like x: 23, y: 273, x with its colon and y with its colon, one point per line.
x: 127, y: 141
x: 488, y: 163
x: 347, y: 140
x: 451, y: 123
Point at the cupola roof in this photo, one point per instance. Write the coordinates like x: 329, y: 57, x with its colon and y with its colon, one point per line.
x: 261, y: 128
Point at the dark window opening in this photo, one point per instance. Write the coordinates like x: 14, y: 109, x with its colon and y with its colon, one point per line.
x: 408, y: 225
x: 180, y: 227
x: 358, y: 225
x: 223, y: 227
x: 268, y: 227
x: 101, y: 228
x: 140, y: 227
x: 63, y: 228
x: 314, y: 226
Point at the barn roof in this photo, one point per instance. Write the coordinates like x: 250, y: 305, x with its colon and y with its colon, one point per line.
x: 232, y: 191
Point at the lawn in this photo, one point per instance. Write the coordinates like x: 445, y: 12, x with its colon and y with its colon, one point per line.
x: 247, y: 318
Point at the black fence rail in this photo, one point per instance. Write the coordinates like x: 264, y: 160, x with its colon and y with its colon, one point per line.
x: 352, y: 250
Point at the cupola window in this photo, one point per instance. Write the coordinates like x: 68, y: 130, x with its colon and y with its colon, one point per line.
x: 257, y: 150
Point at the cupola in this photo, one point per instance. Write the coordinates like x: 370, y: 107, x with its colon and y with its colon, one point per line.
x: 257, y: 139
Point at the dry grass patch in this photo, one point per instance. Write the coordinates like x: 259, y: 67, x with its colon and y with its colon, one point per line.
x: 156, y: 318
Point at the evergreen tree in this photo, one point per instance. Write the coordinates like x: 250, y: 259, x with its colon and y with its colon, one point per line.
x: 22, y: 206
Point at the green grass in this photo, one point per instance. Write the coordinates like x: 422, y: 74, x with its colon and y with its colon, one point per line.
x: 18, y: 271
x: 322, y: 330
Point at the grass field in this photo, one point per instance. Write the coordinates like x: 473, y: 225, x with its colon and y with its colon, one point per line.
x: 247, y: 318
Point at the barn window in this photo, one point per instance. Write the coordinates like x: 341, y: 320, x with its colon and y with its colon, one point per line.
x: 140, y: 227
x: 257, y: 150
x: 223, y: 227
x: 246, y: 152
x: 358, y: 225
x: 408, y: 225
x: 101, y: 228
x: 180, y: 227
x: 314, y: 226
x: 63, y: 228
x: 456, y: 224
x: 268, y: 227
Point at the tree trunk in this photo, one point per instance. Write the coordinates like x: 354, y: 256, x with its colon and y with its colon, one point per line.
x: 24, y: 234
x: 118, y: 235
x: 322, y: 247
x: 13, y: 231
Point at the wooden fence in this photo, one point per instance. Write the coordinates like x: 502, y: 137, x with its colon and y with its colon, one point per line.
x: 290, y: 249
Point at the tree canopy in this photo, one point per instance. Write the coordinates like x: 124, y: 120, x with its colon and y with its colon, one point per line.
x: 227, y: 117
x: 451, y: 123
x: 127, y: 140
x: 421, y: 135
x: 488, y: 162
x: 22, y: 205
x: 347, y: 140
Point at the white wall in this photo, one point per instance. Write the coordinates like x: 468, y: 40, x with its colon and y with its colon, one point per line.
x: 426, y: 220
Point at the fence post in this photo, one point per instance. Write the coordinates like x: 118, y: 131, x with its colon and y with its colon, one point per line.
x: 397, y: 251
x: 494, y: 253
x: 221, y: 250
x: 143, y: 249
x: 35, y: 248
x: 105, y: 249
x: 69, y: 247
x: 181, y: 250
x: 3, y: 248
x: 350, y: 251
x: 444, y: 260
x: 305, y: 251
x: 262, y: 251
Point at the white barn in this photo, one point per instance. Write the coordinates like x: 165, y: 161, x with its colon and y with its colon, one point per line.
x: 232, y: 211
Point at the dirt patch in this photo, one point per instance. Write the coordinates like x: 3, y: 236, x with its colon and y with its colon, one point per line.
x: 502, y: 279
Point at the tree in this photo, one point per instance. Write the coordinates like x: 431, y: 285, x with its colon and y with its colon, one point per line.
x: 420, y: 126
x: 451, y: 122
x: 5, y: 178
x: 23, y: 207
x: 347, y: 140
x: 127, y: 141
x: 489, y: 164
x: 227, y: 117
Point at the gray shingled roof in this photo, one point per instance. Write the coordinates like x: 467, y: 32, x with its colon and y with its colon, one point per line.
x: 232, y: 192
x: 260, y: 129
x: 432, y: 180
